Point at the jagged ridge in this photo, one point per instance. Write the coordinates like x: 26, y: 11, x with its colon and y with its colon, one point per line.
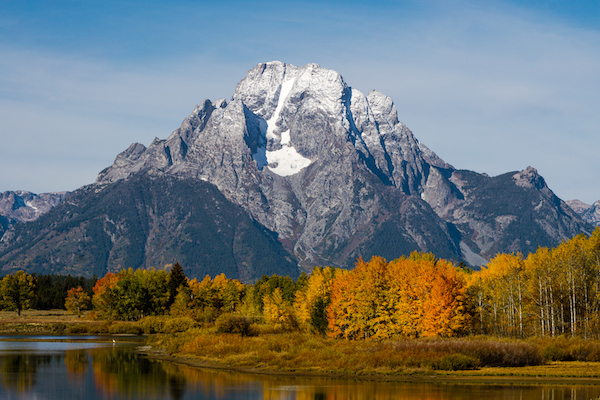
x: 337, y: 176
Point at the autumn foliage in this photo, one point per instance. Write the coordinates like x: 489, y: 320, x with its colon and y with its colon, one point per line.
x: 408, y: 297
x: 549, y: 293
x: 77, y: 300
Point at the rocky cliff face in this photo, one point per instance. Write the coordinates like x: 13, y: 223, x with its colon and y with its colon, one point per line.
x: 589, y: 213
x: 327, y: 167
x: 513, y: 212
x: 23, y: 206
x: 335, y: 175
x: 308, y: 156
x: 147, y: 221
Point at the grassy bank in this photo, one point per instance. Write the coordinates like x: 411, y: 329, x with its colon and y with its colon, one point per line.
x: 46, y: 322
x: 311, y: 353
x: 263, y: 349
x: 300, y: 353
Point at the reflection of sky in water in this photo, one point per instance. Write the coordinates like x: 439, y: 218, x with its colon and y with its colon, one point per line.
x: 51, y: 344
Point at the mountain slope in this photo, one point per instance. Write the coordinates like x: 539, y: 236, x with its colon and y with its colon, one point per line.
x: 589, y: 213
x: 147, y: 221
x: 333, y: 173
x: 23, y: 206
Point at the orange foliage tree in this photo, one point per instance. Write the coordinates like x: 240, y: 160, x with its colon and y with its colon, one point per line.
x: 310, y: 303
x: 105, y: 296
x: 409, y: 297
x: 77, y: 300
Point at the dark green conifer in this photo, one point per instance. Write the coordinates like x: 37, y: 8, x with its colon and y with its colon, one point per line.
x: 176, y: 279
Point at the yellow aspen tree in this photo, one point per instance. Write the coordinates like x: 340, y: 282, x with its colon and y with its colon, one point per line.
x: 77, y: 300
x: 592, y: 251
x: 278, y: 312
x: 541, y: 278
x: 569, y: 256
x: 318, y: 288
x: 17, y: 291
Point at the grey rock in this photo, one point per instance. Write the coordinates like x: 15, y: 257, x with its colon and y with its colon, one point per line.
x: 589, y: 213
x: 23, y: 206
x: 329, y: 168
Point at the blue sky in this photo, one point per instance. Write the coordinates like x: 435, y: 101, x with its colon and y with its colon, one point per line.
x: 490, y: 86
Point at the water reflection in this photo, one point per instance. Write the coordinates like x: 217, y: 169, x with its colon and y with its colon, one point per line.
x: 100, y: 370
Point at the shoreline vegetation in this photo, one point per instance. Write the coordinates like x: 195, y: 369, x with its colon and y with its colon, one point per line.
x: 466, y: 360
x: 415, y: 316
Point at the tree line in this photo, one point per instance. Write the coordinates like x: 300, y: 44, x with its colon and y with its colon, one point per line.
x: 550, y: 292
x: 21, y: 290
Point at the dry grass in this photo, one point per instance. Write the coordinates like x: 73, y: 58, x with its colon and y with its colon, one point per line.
x: 37, y: 316
x: 554, y: 369
x: 305, y: 352
x: 44, y: 322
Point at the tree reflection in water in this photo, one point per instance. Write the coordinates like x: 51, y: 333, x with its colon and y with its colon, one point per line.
x: 19, y: 371
x: 77, y: 363
x: 116, y: 372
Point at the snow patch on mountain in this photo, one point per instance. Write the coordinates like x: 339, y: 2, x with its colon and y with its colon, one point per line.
x: 30, y: 205
x: 285, y: 90
x: 285, y: 161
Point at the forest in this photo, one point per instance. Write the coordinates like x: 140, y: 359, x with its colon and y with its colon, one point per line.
x: 552, y: 292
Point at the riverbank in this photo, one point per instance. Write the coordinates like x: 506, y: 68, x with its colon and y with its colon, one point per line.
x: 428, y: 360
x: 466, y: 360
x: 47, y: 322
x: 548, y: 374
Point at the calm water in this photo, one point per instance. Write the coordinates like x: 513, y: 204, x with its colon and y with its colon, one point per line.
x: 93, y: 368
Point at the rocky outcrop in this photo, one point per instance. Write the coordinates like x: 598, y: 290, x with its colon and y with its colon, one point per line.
x: 589, y: 213
x: 309, y: 157
x: 333, y: 174
x: 513, y: 212
x: 23, y: 206
x: 304, y: 153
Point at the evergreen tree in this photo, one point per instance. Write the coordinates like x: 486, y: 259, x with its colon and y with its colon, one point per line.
x: 176, y: 278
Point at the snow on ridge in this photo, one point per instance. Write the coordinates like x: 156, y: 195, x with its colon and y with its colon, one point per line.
x: 285, y: 161
x: 286, y: 87
x: 30, y: 205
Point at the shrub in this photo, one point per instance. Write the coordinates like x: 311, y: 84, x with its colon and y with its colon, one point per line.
x: 129, y: 328
x: 99, y: 328
x: 77, y: 329
x: 455, y: 362
x: 152, y: 324
x: 58, y: 328
x: 180, y: 324
x: 235, y: 324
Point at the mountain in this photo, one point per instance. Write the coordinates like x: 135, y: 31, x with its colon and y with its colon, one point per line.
x: 589, y: 213
x: 23, y: 206
x: 148, y: 221
x: 329, y: 172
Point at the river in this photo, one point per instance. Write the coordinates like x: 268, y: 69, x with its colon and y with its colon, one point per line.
x: 95, y: 367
